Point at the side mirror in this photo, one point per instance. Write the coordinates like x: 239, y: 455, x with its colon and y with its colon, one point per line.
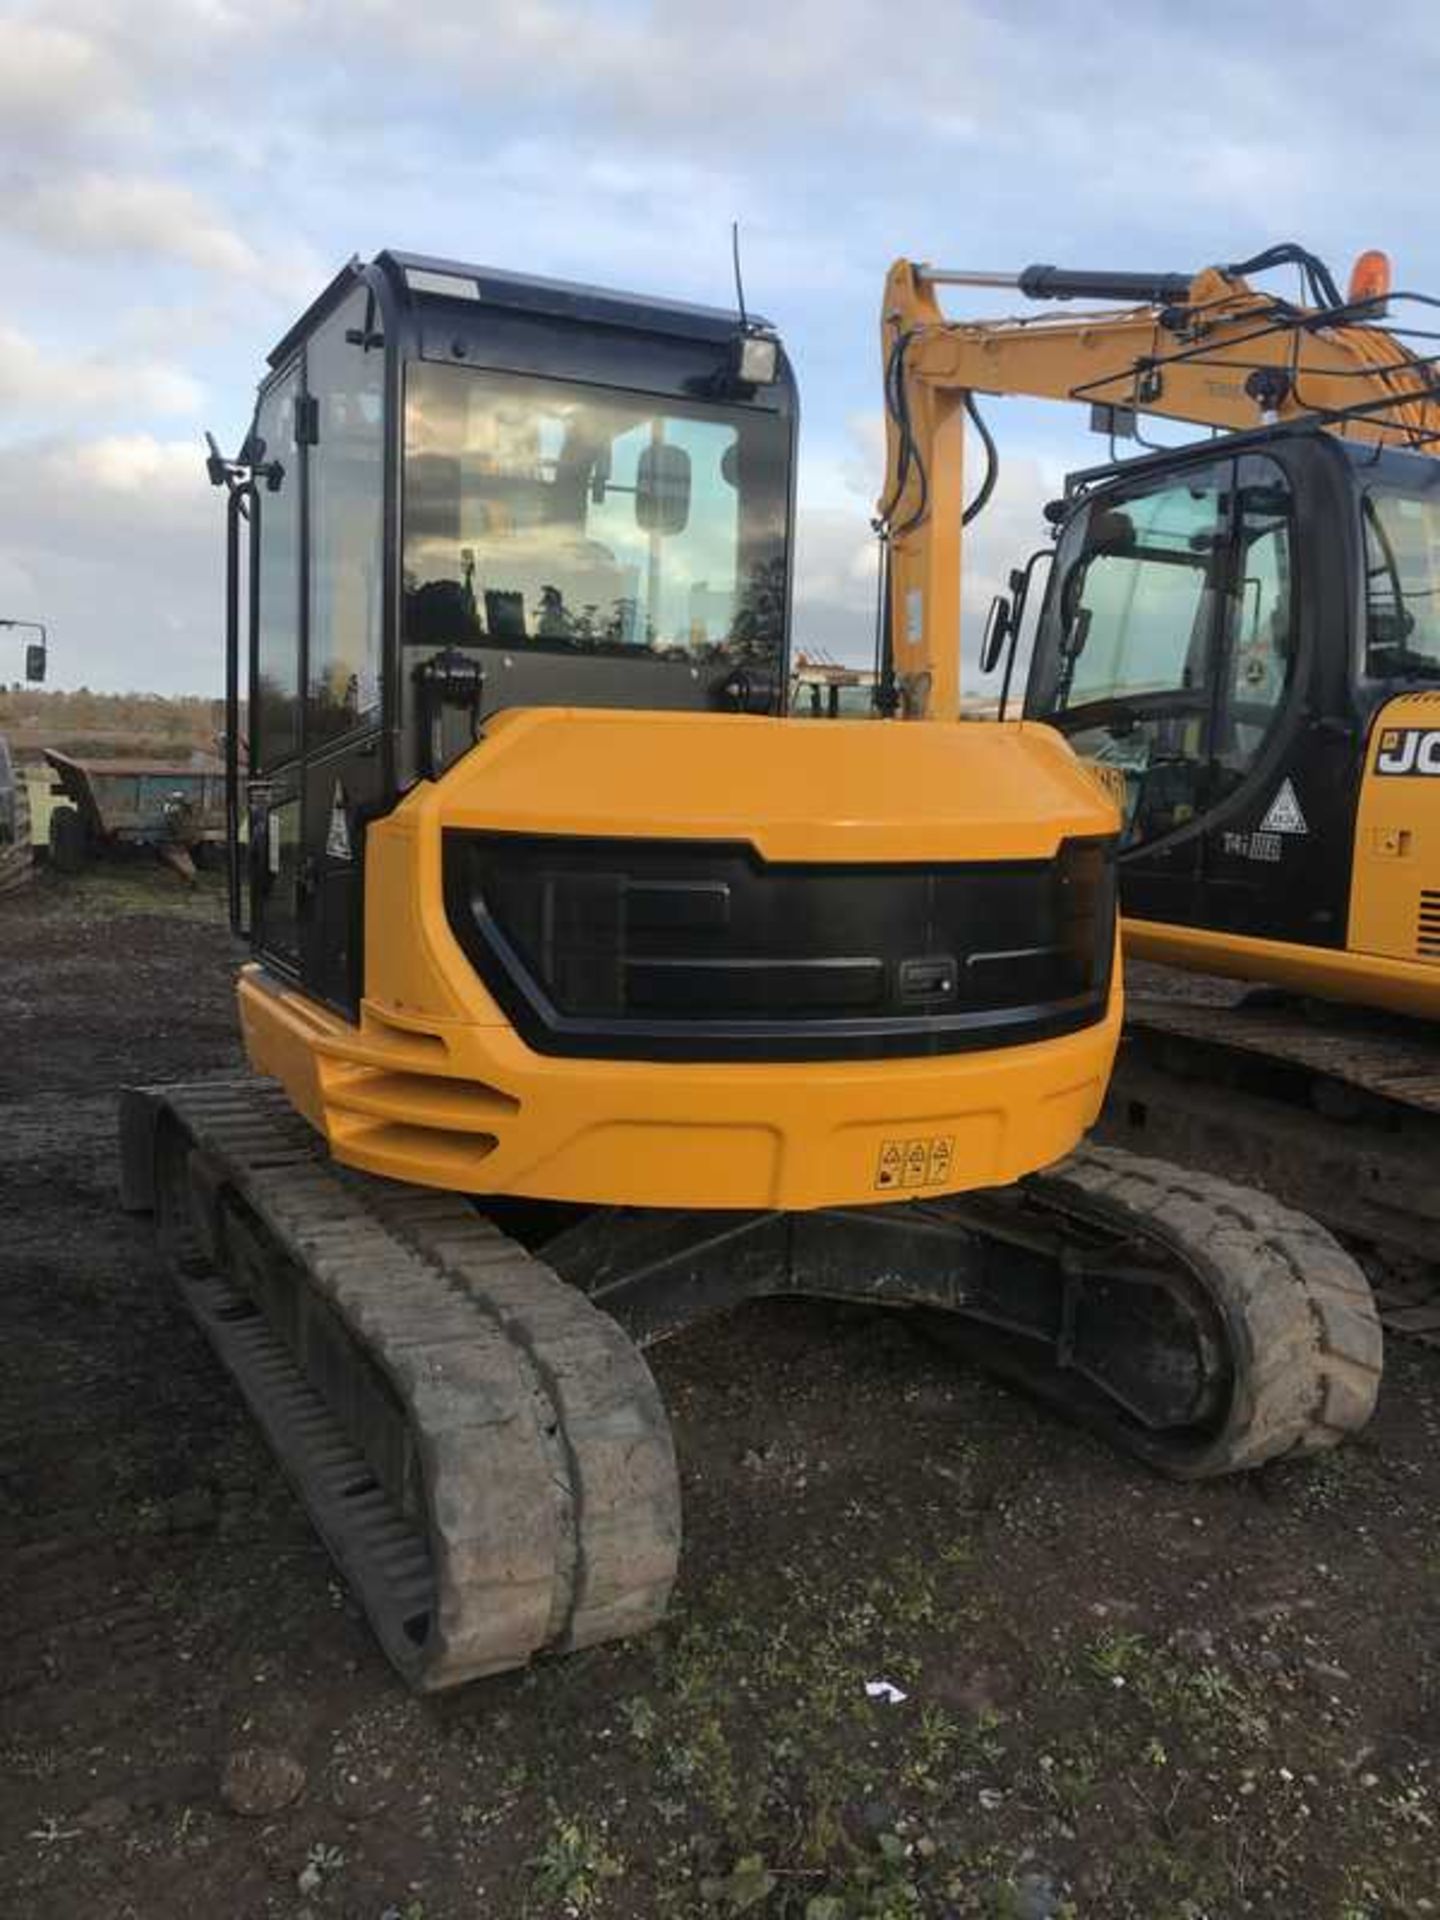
x: 662, y: 489
x: 35, y: 660
x: 997, y: 632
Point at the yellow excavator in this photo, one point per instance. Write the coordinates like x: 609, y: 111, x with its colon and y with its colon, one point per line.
x: 590, y: 993
x: 1242, y: 635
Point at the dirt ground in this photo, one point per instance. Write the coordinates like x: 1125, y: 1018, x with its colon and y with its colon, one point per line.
x: 1121, y: 1697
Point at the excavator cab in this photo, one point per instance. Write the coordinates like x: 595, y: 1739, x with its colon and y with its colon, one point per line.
x: 1244, y: 674
x: 477, y: 492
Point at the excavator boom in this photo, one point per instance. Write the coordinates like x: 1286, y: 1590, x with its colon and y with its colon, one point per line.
x: 1210, y: 350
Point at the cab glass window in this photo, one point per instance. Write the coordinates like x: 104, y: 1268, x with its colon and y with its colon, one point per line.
x: 345, y: 382
x: 544, y: 515
x: 1402, y: 582
x: 1125, y: 648
x: 1260, y: 630
x: 275, y: 701
x: 1141, y: 596
x: 1167, y: 643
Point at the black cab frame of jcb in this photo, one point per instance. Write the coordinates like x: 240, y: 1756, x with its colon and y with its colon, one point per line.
x: 634, y: 459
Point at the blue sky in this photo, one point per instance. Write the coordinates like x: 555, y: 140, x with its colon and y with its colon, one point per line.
x: 178, y: 177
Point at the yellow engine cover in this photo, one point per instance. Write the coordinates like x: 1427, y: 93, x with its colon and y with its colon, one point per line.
x: 434, y: 1085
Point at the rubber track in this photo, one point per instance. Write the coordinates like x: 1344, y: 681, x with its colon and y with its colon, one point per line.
x: 1371, y: 1178
x: 549, y: 1517
x: 1389, y: 1063
x: 1302, y: 1320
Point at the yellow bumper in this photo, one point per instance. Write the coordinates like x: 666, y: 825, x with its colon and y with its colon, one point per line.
x: 471, y: 1108
x: 434, y: 1085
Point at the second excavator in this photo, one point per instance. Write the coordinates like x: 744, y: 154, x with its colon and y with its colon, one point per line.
x: 1242, y: 635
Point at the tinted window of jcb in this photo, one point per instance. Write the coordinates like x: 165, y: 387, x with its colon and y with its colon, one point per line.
x: 545, y: 515
x: 275, y: 719
x: 1167, y: 643
x: 346, y: 384
x: 1402, y: 581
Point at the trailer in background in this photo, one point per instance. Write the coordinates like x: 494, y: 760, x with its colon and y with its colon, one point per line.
x: 175, y: 806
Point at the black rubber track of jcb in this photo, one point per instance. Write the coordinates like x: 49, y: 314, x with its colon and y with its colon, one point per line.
x: 550, y: 1515
x: 1304, y: 1333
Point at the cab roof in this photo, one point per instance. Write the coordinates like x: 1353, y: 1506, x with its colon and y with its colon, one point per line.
x: 420, y: 280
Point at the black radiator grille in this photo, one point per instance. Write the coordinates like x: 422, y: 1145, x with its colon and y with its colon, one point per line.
x: 1427, y: 930
x: 665, y: 949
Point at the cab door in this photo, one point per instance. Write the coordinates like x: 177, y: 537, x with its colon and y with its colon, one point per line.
x: 1124, y: 665
x: 317, y: 621
x: 276, y: 579
x: 344, y: 775
x: 1282, y: 776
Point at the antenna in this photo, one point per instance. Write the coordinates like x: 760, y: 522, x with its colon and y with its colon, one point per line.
x: 739, y: 283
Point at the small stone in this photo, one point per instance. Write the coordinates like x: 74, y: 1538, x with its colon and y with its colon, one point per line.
x: 975, y: 1690
x: 258, y: 1781
x: 1035, y: 1897
x: 361, y: 1796
x: 190, y: 1512
x: 112, y: 1811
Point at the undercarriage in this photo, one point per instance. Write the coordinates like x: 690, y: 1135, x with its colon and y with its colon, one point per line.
x: 467, y: 1414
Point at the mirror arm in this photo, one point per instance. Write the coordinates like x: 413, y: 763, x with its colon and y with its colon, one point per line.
x: 1021, y: 582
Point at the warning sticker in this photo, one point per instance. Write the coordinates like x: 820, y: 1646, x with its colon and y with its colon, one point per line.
x: 1284, y: 815
x: 942, y: 1152
x: 892, y: 1160
x: 915, y: 1163
x: 337, y: 837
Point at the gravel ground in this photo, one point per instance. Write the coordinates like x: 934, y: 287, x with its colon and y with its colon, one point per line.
x: 1121, y: 1697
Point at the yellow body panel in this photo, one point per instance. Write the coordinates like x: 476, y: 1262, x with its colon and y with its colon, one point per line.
x: 435, y: 1086
x: 1329, y: 973
x: 1391, y: 959
x: 1395, y: 883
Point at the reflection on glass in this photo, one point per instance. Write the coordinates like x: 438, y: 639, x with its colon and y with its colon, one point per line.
x: 1402, y: 582
x: 554, y: 516
x: 1146, y: 589
x: 276, y: 723
x: 1168, y: 645
x: 346, y: 493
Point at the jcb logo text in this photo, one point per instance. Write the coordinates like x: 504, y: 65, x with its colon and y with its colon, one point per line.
x: 1409, y: 750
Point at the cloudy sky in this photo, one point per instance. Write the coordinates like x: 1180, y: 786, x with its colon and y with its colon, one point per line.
x: 178, y: 177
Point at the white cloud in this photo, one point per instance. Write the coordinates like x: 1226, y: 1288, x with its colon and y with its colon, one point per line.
x: 44, y: 387
x: 56, y: 83
x: 165, y: 473
x: 124, y: 214
x: 116, y: 543
x: 734, y: 80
